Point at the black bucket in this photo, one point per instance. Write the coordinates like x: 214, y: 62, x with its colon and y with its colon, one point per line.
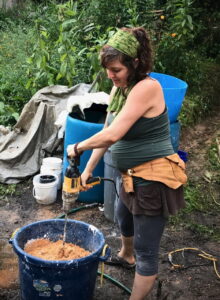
x: 69, y: 280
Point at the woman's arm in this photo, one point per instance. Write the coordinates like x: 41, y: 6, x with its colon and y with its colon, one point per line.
x: 93, y: 160
x: 91, y: 164
x: 96, y: 153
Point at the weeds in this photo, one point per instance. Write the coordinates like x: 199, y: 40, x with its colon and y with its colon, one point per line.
x: 7, y: 190
x: 203, y: 197
x: 214, y: 156
x: 14, y: 48
x: 194, y: 108
x: 205, y: 231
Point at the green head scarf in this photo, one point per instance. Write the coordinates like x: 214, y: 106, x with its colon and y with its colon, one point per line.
x: 124, y: 42
x: 119, y: 99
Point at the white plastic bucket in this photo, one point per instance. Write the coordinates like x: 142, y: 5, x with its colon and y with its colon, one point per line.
x: 57, y: 172
x: 45, y: 193
x: 53, y: 165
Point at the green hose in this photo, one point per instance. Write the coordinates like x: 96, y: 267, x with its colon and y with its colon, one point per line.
x: 114, y: 281
x: 119, y: 284
x: 74, y: 210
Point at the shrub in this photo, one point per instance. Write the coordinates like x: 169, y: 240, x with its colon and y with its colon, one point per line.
x: 62, y: 38
x: 14, y: 48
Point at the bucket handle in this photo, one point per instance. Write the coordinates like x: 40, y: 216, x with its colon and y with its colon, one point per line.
x: 106, y: 251
x: 12, y: 236
x: 107, y: 254
x: 34, y: 194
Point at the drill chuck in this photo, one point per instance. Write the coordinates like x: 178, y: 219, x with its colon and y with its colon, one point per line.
x: 69, y: 200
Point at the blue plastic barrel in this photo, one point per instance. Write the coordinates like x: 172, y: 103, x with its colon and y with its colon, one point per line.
x: 79, y: 130
x: 67, y: 280
x: 174, y: 90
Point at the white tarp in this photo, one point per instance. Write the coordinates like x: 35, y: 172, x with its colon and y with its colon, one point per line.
x: 23, y: 148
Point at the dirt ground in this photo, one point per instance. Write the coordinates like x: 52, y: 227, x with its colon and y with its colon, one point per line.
x: 197, y: 281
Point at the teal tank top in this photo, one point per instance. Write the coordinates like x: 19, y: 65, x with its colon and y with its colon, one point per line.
x: 147, y: 139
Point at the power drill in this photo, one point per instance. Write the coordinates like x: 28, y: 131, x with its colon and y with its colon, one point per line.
x: 72, y: 183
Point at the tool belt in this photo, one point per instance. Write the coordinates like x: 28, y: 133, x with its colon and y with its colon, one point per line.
x: 169, y: 170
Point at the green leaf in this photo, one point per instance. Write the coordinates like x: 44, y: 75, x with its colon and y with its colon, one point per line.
x: 68, y: 24
x: 44, y: 33
x: 82, y: 51
x: 28, y: 84
x: 2, y: 106
x: 89, y: 27
x: 59, y: 76
x: 70, y: 13
x: 190, y: 26
x: 47, y: 55
x: 29, y: 60
x: 63, y: 68
x: 72, y: 61
x: 60, y: 49
x: 73, y: 49
x: 50, y: 80
x: 15, y: 115
x: 189, y: 19
x: 42, y: 44
x: 43, y: 63
x: 63, y: 57
x: 37, y: 76
x: 52, y: 69
x: 69, y: 78
x: 38, y: 62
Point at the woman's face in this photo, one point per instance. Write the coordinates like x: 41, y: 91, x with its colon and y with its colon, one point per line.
x: 118, y: 73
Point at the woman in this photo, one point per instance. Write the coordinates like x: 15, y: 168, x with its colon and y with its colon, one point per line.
x: 137, y: 129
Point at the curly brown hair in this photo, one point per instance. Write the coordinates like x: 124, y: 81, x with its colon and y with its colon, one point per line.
x: 144, y: 54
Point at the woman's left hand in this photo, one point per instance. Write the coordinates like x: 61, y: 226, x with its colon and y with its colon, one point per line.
x: 71, y: 150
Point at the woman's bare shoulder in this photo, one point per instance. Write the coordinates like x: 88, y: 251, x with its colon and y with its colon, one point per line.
x: 147, y: 86
x: 148, y: 83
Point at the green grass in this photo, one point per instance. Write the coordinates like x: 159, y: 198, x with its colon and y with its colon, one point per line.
x: 205, y: 231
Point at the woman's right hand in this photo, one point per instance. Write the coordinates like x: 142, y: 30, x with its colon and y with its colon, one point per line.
x: 84, y: 177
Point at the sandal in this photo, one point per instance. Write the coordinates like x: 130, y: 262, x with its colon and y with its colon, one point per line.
x: 119, y: 261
